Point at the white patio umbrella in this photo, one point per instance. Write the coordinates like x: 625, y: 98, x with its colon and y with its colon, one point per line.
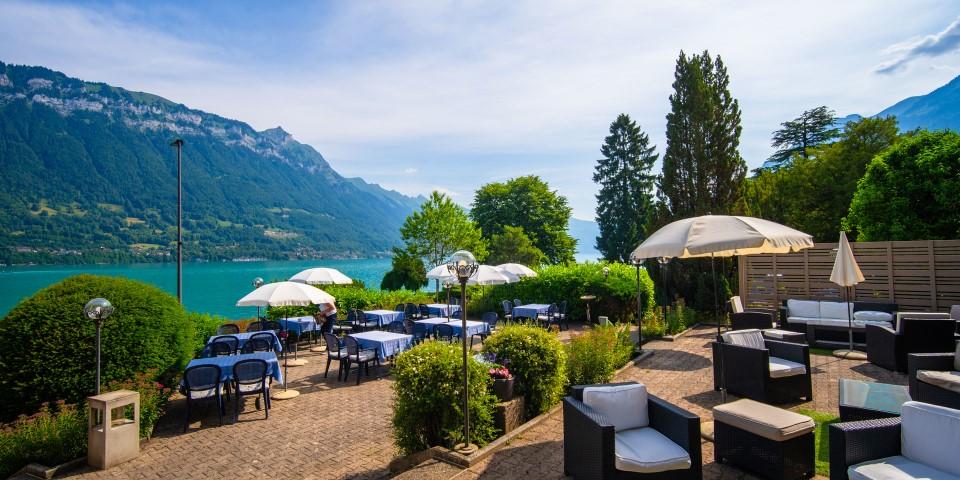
x: 846, y: 273
x: 517, y: 269
x: 286, y: 294
x: 321, y: 276
x: 442, y: 274
x: 490, y: 275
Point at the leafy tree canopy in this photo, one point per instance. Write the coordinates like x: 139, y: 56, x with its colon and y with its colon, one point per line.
x: 407, y: 272
x: 513, y: 246
x: 440, y: 228
x: 813, y: 127
x: 527, y: 202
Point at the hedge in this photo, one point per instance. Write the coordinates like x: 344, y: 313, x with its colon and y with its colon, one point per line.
x: 595, y: 355
x: 356, y: 296
x: 616, y: 293
x: 428, y: 391
x: 48, y: 343
x: 537, y: 360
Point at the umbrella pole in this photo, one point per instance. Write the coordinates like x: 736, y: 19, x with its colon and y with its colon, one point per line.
x: 716, y: 309
x: 846, y: 295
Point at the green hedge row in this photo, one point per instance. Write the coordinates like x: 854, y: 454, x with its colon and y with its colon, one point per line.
x: 356, y: 296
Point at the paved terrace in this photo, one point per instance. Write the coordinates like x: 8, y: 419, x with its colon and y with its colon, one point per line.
x: 339, y: 430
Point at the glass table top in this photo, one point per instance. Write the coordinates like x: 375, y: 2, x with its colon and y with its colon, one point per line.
x: 882, y: 397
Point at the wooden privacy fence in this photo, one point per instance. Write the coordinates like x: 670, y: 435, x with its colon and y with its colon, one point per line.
x: 917, y: 275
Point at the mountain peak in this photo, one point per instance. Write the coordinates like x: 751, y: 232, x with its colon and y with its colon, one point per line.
x: 277, y: 135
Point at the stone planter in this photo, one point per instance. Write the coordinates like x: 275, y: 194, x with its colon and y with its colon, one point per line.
x: 503, y: 388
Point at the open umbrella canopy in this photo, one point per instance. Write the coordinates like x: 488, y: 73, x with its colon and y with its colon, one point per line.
x: 321, y: 276
x: 846, y: 272
x: 517, y: 269
x: 490, y: 275
x: 283, y: 294
x: 441, y: 272
x: 721, y: 236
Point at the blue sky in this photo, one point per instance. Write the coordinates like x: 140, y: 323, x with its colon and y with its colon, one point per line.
x: 421, y: 96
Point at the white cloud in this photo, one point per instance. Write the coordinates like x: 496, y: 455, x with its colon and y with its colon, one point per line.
x: 940, y: 43
x: 409, y: 171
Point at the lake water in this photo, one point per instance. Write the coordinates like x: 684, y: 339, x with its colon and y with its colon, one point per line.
x: 211, y: 287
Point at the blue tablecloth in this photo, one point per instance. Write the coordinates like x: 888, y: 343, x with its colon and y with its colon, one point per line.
x: 530, y: 311
x: 473, y: 327
x: 386, y: 344
x: 440, y: 309
x: 297, y: 326
x: 243, y: 337
x: 427, y: 325
x: 383, y: 317
x: 226, y: 364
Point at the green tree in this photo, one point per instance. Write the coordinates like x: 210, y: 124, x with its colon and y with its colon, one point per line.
x: 702, y: 168
x: 513, y: 246
x: 624, y: 203
x: 910, y: 191
x: 812, y: 128
x: 529, y: 203
x: 440, y: 228
x: 407, y: 271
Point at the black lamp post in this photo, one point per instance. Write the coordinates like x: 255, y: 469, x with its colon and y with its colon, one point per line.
x: 463, y: 265
x: 98, y: 310
x: 636, y: 263
x: 179, y: 144
x: 257, y: 283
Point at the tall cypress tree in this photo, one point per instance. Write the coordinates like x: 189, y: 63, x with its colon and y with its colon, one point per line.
x: 702, y: 167
x: 624, y: 204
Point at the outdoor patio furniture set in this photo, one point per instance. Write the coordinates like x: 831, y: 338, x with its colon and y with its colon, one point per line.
x: 543, y: 314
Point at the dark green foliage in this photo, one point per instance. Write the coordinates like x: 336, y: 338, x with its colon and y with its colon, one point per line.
x: 204, y: 326
x: 49, y: 437
x: 86, y: 187
x: 537, y: 361
x: 625, y: 200
x: 527, y: 202
x: 812, y: 128
x: 702, y: 168
x: 616, y: 294
x: 671, y: 321
x: 513, y: 246
x: 48, y: 343
x: 355, y: 296
x: 428, y: 398
x: 407, y: 272
x: 594, y: 356
x: 910, y: 191
x: 153, y: 398
x: 440, y: 228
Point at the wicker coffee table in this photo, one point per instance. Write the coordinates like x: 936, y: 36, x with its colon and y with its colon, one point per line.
x: 861, y: 400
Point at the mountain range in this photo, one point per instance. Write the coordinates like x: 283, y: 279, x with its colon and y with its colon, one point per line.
x: 937, y: 110
x: 89, y: 176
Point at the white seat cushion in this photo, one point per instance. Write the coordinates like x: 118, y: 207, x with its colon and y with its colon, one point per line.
x: 778, y: 334
x: 832, y: 322
x: 895, y: 468
x: 780, y: 368
x: 749, y: 337
x: 625, y: 406
x: 802, y: 319
x: 864, y: 323
x: 803, y: 308
x: 645, y: 450
x: 930, y: 434
x: 945, y: 380
x: 836, y: 310
x: 364, y: 356
x: 871, y: 316
x: 251, y: 387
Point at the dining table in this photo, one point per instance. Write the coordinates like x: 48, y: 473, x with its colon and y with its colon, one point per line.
x: 386, y: 344
x: 243, y: 337
x: 442, y: 309
x: 383, y: 317
x: 227, y: 362
x: 530, y: 310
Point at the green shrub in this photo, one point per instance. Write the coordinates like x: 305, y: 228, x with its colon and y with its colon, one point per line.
x: 537, y: 361
x: 204, y: 326
x: 50, y: 437
x: 354, y: 296
x: 677, y: 319
x: 153, y: 397
x: 48, y: 350
x: 594, y: 356
x: 427, y: 408
x: 616, y: 293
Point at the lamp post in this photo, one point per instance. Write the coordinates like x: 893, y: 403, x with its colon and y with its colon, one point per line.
x: 463, y: 265
x: 98, y: 310
x: 179, y: 144
x: 663, y: 261
x: 257, y: 283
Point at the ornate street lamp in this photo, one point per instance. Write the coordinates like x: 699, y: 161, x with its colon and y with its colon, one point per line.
x: 463, y: 265
x: 179, y: 144
x: 98, y: 310
x: 257, y: 283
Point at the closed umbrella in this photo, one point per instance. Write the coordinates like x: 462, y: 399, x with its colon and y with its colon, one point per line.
x: 846, y: 273
x: 286, y: 294
x: 321, y: 276
x: 517, y: 269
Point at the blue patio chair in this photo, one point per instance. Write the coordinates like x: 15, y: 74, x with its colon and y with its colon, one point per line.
x: 360, y: 356
x: 232, y: 342
x: 228, y: 329
x: 336, y: 352
x: 202, y: 382
x: 444, y: 332
x: 491, y: 319
x: 250, y: 378
x: 257, y: 345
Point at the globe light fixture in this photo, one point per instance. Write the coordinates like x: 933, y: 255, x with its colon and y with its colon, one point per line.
x: 257, y: 283
x: 98, y: 310
x: 463, y: 265
x: 606, y: 272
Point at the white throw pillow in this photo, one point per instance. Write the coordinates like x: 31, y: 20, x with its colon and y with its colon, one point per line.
x: 803, y: 308
x: 750, y: 337
x: 871, y: 316
x: 625, y: 406
x: 736, y: 304
x: 930, y: 434
x: 836, y: 310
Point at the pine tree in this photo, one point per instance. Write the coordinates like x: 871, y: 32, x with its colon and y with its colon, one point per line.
x: 624, y: 203
x: 812, y: 128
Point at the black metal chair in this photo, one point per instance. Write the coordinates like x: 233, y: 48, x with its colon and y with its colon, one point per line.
x: 359, y: 356
x: 549, y: 318
x: 364, y: 324
x: 250, y: 378
x: 411, y: 311
x: 889, y: 349
x: 424, y: 310
x: 507, y: 310
x: 202, y: 382
x: 517, y: 302
x: 418, y: 331
x: 228, y: 329
x: 563, y: 320
x: 928, y: 392
x: 745, y: 320
x: 271, y: 325
x: 397, y: 326
x: 589, y: 439
x: 491, y: 319
x: 746, y: 370
x: 257, y: 345
x: 443, y: 332
x: 336, y: 352
x: 232, y: 342
x: 454, y: 301
x: 399, y: 308
x: 254, y: 326
x: 340, y: 326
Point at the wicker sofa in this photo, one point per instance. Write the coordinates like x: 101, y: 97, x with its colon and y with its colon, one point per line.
x: 888, y: 348
x: 828, y: 321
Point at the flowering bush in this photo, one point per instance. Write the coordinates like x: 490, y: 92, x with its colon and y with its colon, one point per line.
x: 51, y: 436
x: 500, y: 373
x: 153, y: 397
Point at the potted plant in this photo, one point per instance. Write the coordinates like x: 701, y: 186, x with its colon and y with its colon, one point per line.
x: 502, y: 383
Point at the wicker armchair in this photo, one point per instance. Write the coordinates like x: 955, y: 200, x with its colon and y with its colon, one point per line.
x: 888, y: 348
x: 855, y: 442
x: 589, y: 439
x: 746, y: 371
x: 753, y: 319
x: 928, y: 392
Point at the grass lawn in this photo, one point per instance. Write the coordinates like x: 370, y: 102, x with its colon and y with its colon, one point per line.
x: 821, y: 351
x: 822, y: 437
